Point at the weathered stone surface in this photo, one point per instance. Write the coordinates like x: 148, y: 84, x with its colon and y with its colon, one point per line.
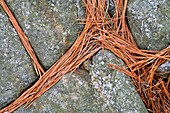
x: 164, y: 69
x: 102, y: 91
x: 149, y: 21
x: 17, y: 72
x: 115, y: 88
x: 51, y: 27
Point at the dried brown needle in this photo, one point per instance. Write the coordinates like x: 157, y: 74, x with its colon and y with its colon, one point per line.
x: 104, y: 32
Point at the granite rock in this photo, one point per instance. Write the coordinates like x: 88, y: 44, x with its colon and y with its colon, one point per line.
x: 17, y: 72
x: 113, y: 87
x: 103, y: 90
x: 149, y: 21
x: 51, y: 27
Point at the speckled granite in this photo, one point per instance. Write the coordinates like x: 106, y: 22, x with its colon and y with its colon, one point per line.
x: 51, y: 27
x: 115, y: 88
x: 17, y: 72
x: 103, y: 91
x: 149, y: 21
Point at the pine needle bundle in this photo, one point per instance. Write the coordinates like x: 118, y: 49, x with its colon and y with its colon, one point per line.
x: 102, y: 31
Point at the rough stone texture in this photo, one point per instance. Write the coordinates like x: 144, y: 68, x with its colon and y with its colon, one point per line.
x: 164, y: 69
x: 102, y: 91
x: 72, y: 94
x: 51, y: 27
x: 149, y: 21
x: 115, y: 88
x: 17, y: 72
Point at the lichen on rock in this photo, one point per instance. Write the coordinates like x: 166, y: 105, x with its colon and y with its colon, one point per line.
x: 149, y: 21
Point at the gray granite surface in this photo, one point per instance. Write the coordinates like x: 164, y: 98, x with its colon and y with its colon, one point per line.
x: 149, y: 21
x: 51, y: 27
